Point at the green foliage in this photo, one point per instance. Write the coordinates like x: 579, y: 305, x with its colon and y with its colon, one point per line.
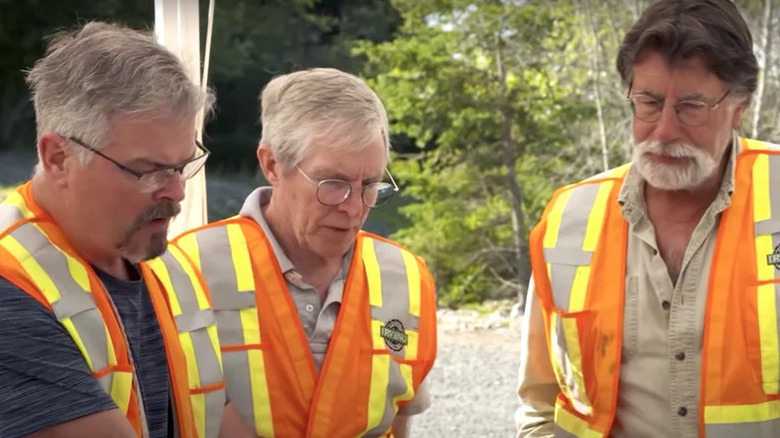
x: 440, y: 81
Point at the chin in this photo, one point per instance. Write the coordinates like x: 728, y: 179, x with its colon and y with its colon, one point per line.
x: 153, y: 248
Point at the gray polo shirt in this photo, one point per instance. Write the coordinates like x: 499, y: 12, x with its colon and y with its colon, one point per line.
x: 318, y: 318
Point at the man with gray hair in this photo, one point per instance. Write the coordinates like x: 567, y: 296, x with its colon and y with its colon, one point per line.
x: 99, y: 337
x: 655, y: 298
x: 326, y: 330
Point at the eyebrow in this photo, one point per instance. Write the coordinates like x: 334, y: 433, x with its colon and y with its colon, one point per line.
x: 341, y: 176
x: 161, y: 165
x: 694, y: 95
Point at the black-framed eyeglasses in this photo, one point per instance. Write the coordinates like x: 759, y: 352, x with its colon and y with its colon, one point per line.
x: 156, y: 179
x: 333, y: 192
x: 690, y: 112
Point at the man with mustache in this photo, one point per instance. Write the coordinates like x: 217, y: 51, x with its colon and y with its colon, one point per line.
x: 96, y: 338
x: 326, y: 330
x: 654, y: 304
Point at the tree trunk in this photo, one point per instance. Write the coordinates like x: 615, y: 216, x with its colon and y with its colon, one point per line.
x: 766, y: 50
x: 595, y: 62
x: 509, y: 158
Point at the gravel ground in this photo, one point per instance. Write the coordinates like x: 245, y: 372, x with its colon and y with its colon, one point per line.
x: 473, y: 385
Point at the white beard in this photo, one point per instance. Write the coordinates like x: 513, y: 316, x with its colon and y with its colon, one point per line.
x: 692, y: 174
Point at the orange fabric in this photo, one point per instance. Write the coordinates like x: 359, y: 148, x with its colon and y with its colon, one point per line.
x: 334, y: 403
x: 11, y: 270
x: 731, y: 321
x: 601, y: 324
x: 731, y: 352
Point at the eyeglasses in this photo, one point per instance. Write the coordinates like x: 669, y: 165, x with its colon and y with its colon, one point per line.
x: 333, y: 192
x: 156, y: 179
x: 689, y: 112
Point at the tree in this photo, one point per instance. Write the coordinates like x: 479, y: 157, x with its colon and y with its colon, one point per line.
x: 477, y: 86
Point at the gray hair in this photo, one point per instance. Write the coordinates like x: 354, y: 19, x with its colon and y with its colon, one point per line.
x: 101, y: 70
x: 681, y: 29
x: 320, y: 103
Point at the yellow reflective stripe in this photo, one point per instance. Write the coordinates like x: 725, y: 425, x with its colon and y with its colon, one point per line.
x: 579, y: 288
x: 259, y: 385
x: 159, y: 268
x: 756, y: 145
x: 34, y: 270
x: 189, y: 244
x: 245, y: 279
x: 554, y: 220
x: 767, y: 326
x: 571, y: 333
x: 406, y: 374
x: 200, y: 294
x: 761, y: 202
x: 765, y: 411
x: 193, y: 375
x: 121, y: 387
x: 372, y: 272
x: 380, y: 379
x: 214, y: 338
x: 78, y: 272
x: 109, y: 347
x: 16, y: 199
x: 413, y: 282
x: 574, y: 425
x: 413, y: 340
x: 68, y: 323
x: 596, y: 217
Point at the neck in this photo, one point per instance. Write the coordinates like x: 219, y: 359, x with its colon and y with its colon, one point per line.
x: 54, y: 203
x: 316, y: 270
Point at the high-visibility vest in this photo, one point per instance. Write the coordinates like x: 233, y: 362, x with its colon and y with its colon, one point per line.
x: 383, y: 344
x: 578, y: 254
x: 36, y: 256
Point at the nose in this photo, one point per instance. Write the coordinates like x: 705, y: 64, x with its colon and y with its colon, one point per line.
x: 353, y: 205
x: 668, y: 127
x: 173, y: 189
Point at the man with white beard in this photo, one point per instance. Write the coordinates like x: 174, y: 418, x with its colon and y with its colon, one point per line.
x: 653, y: 307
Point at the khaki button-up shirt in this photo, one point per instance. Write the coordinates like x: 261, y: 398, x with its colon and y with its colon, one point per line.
x: 663, y: 325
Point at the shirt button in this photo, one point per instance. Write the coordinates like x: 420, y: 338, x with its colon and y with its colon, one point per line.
x: 666, y: 305
x: 655, y: 251
x: 680, y: 356
x: 309, y: 308
x: 682, y: 411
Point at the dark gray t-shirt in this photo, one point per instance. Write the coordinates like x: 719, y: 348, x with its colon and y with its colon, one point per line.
x: 44, y: 380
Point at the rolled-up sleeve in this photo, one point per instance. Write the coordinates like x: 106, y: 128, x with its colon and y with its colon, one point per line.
x: 538, y: 386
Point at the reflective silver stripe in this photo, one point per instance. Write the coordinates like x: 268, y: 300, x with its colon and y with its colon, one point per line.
x: 567, y: 255
x: 9, y: 214
x: 196, y: 321
x: 395, y: 306
x: 772, y: 225
x: 220, y: 274
x: 75, y: 302
x: 762, y: 429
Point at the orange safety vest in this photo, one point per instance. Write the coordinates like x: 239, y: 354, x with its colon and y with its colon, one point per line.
x: 36, y: 256
x: 383, y: 343
x: 578, y: 254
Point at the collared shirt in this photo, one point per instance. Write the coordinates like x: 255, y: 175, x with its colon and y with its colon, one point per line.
x: 318, y: 317
x: 663, y: 324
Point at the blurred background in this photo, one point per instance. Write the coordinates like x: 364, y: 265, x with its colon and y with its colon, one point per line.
x: 493, y: 104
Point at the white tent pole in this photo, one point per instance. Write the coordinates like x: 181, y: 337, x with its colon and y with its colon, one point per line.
x: 177, y: 27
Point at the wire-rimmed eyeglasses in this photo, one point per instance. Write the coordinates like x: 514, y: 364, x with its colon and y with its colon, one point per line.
x: 690, y: 112
x: 333, y: 191
x: 156, y: 179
